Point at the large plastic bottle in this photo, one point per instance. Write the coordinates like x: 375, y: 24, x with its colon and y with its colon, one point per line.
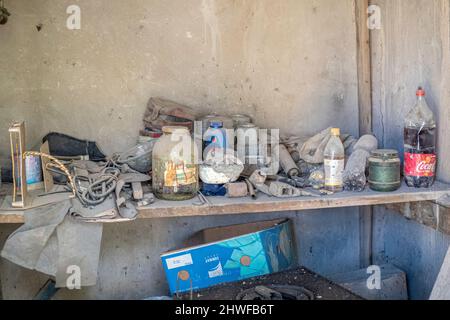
x: 334, y: 161
x: 420, y: 144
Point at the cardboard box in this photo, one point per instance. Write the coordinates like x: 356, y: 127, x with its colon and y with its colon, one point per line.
x: 233, y: 253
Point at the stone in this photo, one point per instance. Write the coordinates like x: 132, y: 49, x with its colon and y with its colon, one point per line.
x: 393, y: 283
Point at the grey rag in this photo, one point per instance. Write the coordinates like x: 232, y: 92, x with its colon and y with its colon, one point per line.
x: 52, y: 242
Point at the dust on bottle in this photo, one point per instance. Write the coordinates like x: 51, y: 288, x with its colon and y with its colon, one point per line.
x: 420, y: 144
x: 334, y: 162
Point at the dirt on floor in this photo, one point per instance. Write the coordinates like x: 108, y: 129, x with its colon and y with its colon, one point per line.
x: 322, y: 288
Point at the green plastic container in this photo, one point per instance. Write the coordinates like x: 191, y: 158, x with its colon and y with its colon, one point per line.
x: 384, y: 170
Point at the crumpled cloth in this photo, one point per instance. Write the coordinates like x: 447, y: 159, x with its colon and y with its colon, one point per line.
x: 53, y: 242
x: 311, y: 150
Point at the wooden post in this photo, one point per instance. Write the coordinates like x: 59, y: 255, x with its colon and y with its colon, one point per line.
x: 364, y: 67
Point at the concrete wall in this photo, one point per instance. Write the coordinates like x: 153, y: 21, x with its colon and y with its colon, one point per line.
x: 130, y: 267
x: 411, y: 49
x: 290, y: 64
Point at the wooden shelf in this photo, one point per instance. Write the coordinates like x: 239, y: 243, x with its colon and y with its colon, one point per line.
x: 226, y: 206
x: 265, y: 204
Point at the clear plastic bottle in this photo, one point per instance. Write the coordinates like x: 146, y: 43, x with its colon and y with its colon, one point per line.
x: 334, y: 162
x: 420, y: 144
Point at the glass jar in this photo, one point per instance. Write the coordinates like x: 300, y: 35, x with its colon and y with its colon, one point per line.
x: 240, y: 119
x: 247, y: 139
x: 384, y: 171
x: 175, y: 165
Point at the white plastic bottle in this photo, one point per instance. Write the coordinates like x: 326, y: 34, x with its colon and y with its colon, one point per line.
x: 334, y: 161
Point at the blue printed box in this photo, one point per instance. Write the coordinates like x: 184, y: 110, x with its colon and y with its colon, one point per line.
x: 229, y: 254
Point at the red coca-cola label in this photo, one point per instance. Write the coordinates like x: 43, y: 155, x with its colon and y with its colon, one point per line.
x: 420, y: 165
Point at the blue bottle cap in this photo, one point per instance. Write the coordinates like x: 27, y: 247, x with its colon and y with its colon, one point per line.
x: 216, y: 124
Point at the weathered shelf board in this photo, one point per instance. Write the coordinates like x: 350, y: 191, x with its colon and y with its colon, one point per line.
x: 265, y: 204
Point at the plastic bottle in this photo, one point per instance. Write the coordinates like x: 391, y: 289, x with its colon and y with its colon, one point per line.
x: 355, y: 169
x: 334, y: 161
x: 215, y: 136
x: 420, y: 144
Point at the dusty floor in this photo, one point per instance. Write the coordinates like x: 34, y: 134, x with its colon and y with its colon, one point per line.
x: 322, y: 288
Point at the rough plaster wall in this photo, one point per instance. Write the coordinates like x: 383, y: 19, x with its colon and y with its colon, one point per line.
x: 411, y: 49
x: 290, y: 64
x: 19, y: 76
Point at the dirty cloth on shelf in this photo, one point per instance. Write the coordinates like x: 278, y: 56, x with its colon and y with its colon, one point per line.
x: 162, y: 112
x: 100, y: 213
x: 311, y: 149
x: 53, y: 242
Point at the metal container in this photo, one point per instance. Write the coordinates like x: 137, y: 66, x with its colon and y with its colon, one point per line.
x: 384, y: 171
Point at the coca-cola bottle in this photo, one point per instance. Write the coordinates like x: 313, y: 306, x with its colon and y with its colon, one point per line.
x: 420, y: 145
